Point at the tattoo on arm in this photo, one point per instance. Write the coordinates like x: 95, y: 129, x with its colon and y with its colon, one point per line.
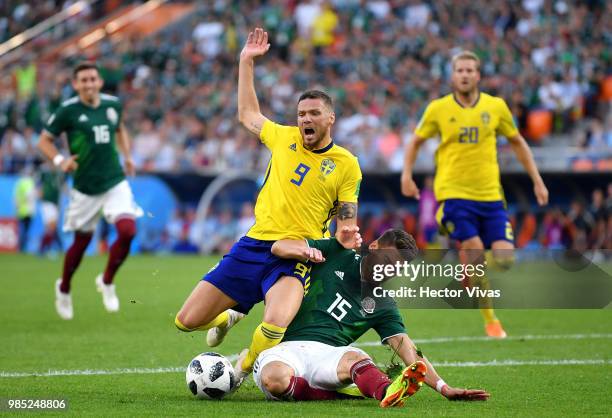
x: 254, y: 127
x: 347, y: 211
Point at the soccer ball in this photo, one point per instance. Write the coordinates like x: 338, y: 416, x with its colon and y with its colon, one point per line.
x: 210, y: 376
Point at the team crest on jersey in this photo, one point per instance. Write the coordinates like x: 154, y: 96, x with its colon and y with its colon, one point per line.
x: 327, y: 166
x: 368, y: 305
x: 112, y: 116
x: 485, y: 117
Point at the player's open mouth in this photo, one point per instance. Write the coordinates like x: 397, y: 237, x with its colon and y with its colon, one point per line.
x: 309, y: 131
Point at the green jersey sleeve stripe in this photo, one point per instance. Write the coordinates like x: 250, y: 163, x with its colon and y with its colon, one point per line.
x: 70, y: 101
x: 109, y: 97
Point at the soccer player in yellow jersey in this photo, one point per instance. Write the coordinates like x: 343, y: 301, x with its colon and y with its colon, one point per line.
x: 309, y: 180
x: 467, y: 184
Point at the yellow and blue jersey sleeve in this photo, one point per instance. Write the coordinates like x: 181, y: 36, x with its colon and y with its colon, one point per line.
x: 272, y: 134
x: 506, y: 126
x: 349, y: 189
x: 428, y: 125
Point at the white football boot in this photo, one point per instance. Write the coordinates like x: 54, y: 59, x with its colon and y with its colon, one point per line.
x: 239, y: 373
x: 109, y: 297
x: 215, y: 335
x: 63, y: 302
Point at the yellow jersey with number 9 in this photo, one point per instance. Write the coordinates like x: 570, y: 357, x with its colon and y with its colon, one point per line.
x: 466, y: 159
x: 302, y: 188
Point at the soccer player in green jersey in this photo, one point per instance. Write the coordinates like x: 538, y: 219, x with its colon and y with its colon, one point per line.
x: 315, y: 361
x: 93, y: 125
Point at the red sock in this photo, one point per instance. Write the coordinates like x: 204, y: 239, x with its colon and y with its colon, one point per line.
x: 46, y: 240
x: 369, y: 379
x: 300, y: 390
x: 73, y: 258
x: 126, y: 229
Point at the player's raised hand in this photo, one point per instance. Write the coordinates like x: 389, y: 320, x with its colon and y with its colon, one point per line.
x: 349, y: 237
x: 129, y: 167
x: 313, y: 255
x: 455, y: 394
x: 69, y: 164
x: 409, y: 187
x: 256, y: 44
x: 541, y: 193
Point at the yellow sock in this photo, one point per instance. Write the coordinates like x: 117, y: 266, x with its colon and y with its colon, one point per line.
x: 502, y: 262
x: 220, y: 320
x: 265, y: 336
x: 488, y: 314
x: 486, y: 303
x: 490, y: 259
x: 180, y: 325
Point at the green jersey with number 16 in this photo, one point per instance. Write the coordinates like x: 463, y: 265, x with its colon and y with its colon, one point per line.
x: 91, y: 136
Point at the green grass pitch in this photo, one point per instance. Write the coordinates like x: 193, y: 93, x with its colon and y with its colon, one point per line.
x: 142, y: 337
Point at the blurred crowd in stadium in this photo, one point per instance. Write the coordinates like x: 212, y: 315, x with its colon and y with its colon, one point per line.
x: 585, y: 226
x: 17, y: 16
x: 382, y: 61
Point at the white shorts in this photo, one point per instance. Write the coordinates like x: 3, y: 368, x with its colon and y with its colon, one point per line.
x: 314, y: 361
x: 84, y: 210
x: 49, y: 212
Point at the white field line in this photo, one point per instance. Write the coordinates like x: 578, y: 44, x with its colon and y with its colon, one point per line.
x: 493, y: 363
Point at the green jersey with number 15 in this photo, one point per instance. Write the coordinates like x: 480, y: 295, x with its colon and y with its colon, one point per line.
x: 333, y: 311
x: 91, y: 136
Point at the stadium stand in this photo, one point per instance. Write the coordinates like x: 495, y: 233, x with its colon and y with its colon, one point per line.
x: 382, y: 60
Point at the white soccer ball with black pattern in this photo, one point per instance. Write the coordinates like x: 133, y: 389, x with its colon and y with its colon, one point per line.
x: 210, y: 376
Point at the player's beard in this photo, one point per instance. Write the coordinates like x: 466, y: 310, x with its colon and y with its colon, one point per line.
x: 465, y: 90
x: 317, y: 142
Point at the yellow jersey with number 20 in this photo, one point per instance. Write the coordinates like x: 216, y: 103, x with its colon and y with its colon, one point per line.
x: 466, y: 159
x: 302, y: 188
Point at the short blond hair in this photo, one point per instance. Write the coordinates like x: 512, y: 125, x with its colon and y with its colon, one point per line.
x: 466, y: 55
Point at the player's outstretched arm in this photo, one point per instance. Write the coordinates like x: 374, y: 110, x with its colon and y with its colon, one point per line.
x: 249, y: 114
x: 409, y: 187
x: 123, y: 143
x: 346, y: 221
x: 405, y: 348
x: 297, y: 249
x: 524, y: 155
x: 49, y: 150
